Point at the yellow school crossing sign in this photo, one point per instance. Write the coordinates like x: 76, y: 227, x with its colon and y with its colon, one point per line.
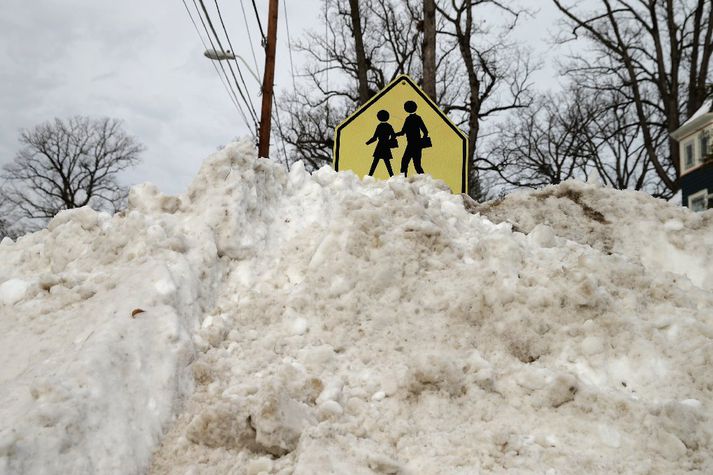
x: 400, y: 130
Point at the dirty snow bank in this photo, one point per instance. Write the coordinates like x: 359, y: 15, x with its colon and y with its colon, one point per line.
x: 660, y: 235
x: 383, y: 328
x: 85, y: 386
x: 340, y: 326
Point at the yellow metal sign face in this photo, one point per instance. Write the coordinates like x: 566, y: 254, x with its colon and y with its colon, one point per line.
x: 401, y: 129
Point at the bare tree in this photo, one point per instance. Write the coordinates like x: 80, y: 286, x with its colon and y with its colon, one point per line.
x: 545, y: 144
x: 393, y: 40
x: 8, y: 225
x: 68, y: 164
x: 497, y: 71
x: 579, y: 134
x: 310, y: 128
x: 4, y: 229
x: 616, y: 150
x: 333, y: 79
x: 657, y: 53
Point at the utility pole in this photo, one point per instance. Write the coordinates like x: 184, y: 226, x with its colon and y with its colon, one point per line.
x: 428, y: 48
x: 267, y: 82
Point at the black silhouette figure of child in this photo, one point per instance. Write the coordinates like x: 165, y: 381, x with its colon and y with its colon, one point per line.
x: 413, y: 126
x: 386, y: 137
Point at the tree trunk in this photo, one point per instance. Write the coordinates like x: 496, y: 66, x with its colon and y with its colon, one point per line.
x: 360, y: 54
x: 463, y: 36
x: 428, y: 49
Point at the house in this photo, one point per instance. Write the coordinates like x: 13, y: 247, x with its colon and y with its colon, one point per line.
x: 695, y: 141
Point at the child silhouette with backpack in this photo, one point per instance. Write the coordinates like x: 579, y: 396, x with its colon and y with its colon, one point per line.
x: 415, y: 142
x: 386, y: 140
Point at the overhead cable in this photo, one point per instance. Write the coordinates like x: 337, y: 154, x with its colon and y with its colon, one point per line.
x: 289, y: 46
x: 282, y: 135
x: 250, y: 40
x: 253, y: 114
x: 231, y: 93
x: 240, y: 72
x: 259, y: 24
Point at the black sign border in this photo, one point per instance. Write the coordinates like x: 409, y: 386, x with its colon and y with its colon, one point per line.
x: 370, y: 102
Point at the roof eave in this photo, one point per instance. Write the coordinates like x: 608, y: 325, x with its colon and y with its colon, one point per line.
x: 690, y: 127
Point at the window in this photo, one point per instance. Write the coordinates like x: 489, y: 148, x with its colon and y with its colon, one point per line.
x: 704, y: 145
x: 689, y: 155
x: 698, y: 201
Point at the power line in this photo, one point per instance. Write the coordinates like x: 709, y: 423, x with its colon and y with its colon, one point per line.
x: 231, y: 93
x: 326, y: 55
x: 282, y: 135
x: 240, y: 73
x: 250, y: 40
x: 251, y: 108
x: 217, y: 38
x: 289, y: 46
x: 259, y: 24
x: 212, y: 45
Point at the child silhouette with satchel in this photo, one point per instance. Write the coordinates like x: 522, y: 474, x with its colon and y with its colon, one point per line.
x: 386, y: 137
x: 415, y: 143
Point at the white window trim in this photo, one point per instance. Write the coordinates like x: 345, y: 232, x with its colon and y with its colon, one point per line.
x: 699, y: 194
x: 692, y: 143
x: 694, y: 139
x: 703, y: 135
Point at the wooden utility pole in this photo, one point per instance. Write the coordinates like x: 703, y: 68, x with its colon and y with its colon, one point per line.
x: 267, y: 82
x: 428, y: 48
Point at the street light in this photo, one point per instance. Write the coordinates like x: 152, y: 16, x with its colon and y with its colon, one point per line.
x: 227, y: 55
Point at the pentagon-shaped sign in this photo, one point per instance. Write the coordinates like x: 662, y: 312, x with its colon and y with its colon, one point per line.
x: 401, y: 130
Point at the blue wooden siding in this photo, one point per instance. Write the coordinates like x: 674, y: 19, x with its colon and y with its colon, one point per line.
x: 697, y: 180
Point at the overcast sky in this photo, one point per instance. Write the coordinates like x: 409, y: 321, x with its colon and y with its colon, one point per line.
x: 142, y: 62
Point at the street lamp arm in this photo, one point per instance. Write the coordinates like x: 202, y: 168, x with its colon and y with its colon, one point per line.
x: 228, y: 55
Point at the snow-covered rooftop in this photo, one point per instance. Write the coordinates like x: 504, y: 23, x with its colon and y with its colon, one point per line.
x: 704, y: 109
x: 297, y: 323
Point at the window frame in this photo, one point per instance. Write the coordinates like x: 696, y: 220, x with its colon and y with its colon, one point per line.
x: 702, y: 194
x: 704, y: 148
x: 690, y: 145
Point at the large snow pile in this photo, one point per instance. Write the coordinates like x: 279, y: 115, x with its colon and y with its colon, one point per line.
x: 307, y: 324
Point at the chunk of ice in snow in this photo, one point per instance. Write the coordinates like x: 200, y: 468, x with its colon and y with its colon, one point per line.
x: 165, y: 287
x: 12, y: 291
x: 299, y: 326
x: 378, y: 396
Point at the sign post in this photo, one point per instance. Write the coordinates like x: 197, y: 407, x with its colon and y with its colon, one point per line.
x: 401, y: 130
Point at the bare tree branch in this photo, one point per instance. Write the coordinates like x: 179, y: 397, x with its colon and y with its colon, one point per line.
x: 658, y: 54
x: 497, y: 71
x: 67, y: 164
